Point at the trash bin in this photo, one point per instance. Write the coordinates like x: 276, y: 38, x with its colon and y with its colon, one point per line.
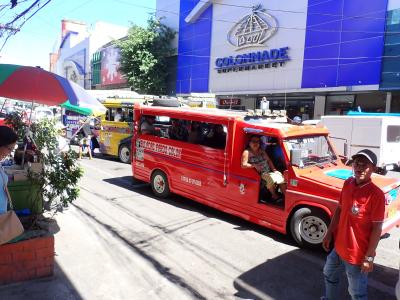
x: 25, y: 194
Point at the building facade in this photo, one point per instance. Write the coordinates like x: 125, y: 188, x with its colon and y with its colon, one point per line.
x: 77, y: 46
x: 310, y: 57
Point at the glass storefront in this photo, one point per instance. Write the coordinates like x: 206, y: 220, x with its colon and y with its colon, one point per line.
x: 371, y: 102
x: 302, y: 107
x: 339, y: 104
x: 368, y: 102
x: 395, y: 104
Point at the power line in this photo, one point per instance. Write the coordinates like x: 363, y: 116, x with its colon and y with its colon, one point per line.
x: 287, y: 11
x: 279, y: 27
x: 23, y: 14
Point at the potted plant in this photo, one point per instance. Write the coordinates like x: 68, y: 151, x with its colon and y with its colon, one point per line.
x: 51, y: 184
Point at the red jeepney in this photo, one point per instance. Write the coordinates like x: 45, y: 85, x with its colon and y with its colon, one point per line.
x: 212, y: 174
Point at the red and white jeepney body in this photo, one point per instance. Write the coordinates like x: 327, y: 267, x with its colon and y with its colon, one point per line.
x: 215, y: 177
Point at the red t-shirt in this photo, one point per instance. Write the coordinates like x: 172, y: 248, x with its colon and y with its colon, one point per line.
x: 361, y: 205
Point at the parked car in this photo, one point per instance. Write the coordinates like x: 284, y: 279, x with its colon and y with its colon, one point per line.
x: 42, y: 112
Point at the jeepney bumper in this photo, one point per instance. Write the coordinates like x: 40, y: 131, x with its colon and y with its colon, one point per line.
x: 390, y: 223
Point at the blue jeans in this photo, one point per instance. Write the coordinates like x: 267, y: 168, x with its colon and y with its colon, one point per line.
x: 333, y: 270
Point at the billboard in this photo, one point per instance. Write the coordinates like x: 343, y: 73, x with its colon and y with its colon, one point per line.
x: 110, y: 73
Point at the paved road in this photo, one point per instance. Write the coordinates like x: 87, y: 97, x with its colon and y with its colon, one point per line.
x: 118, y: 242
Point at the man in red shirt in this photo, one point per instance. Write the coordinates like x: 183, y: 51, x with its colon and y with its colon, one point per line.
x: 357, y: 227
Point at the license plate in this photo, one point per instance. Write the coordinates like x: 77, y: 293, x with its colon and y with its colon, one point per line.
x: 392, y: 212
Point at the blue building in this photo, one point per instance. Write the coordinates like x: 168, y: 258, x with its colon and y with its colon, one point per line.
x: 311, y: 57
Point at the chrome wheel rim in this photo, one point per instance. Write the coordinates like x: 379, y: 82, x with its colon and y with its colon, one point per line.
x: 159, y: 184
x: 125, y: 154
x: 313, y: 229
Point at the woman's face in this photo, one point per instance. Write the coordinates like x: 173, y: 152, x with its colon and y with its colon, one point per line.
x: 254, y: 143
x: 6, y: 150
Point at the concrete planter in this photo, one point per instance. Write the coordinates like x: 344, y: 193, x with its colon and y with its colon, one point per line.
x: 28, y: 259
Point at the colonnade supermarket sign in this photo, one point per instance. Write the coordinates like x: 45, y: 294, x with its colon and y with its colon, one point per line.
x: 253, y: 30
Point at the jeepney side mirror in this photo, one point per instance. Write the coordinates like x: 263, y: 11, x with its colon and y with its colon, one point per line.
x: 295, y: 157
x: 345, y: 149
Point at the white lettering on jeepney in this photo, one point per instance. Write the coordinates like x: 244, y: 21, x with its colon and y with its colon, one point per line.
x: 191, y: 180
x: 159, y: 148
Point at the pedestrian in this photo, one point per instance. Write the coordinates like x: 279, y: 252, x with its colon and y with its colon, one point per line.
x: 356, y: 227
x: 118, y: 115
x: 85, y: 141
x: 63, y: 143
x: 8, y: 139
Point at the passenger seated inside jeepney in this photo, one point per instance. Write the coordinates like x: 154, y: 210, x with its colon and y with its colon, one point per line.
x: 255, y: 157
x: 147, y: 126
x: 216, y: 138
x: 194, y: 133
x: 178, y: 131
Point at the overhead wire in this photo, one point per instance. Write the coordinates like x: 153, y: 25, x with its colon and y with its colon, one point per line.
x: 36, y: 2
x: 279, y: 27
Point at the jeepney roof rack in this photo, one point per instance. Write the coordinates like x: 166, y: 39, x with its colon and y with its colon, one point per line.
x: 267, y: 114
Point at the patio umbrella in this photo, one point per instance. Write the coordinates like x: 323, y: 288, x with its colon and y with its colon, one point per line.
x: 95, y: 110
x: 34, y: 84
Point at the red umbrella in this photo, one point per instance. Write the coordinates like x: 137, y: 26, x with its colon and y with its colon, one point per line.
x: 35, y: 84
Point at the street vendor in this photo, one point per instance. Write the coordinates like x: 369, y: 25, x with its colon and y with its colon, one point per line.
x: 8, y: 139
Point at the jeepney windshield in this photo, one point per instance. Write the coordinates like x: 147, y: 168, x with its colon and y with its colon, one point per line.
x: 316, y: 150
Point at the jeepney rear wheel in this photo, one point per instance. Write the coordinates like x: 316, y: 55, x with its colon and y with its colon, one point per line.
x: 159, y: 184
x: 124, y: 154
x: 308, y: 227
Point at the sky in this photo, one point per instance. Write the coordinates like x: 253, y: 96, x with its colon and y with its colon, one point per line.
x: 37, y: 38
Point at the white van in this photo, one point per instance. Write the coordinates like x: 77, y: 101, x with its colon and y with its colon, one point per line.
x: 380, y: 134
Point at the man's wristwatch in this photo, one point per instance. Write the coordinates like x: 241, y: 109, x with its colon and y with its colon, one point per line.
x: 369, y: 258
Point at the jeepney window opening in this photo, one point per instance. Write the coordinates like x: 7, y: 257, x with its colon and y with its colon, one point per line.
x: 126, y: 114
x: 315, y: 149
x: 270, y: 144
x: 196, y: 132
x: 109, y: 115
x: 393, y: 134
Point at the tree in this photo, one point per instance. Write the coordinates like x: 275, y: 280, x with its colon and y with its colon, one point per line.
x: 144, y: 55
x: 59, y: 179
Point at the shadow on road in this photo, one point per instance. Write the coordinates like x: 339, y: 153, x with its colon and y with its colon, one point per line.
x: 136, y: 247
x: 144, y: 189
x: 292, y: 276
x: 56, y: 287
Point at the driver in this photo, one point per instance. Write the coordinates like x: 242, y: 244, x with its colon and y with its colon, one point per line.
x: 255, y: 157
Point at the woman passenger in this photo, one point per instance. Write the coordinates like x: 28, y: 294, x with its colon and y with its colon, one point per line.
x: 255, y: 157
x: 8, y: 139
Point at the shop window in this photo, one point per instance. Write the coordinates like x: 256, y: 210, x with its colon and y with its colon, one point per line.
x: 339, y: 104
x: 372, y: 102
x: 395, y: 104
x: 303, y: 108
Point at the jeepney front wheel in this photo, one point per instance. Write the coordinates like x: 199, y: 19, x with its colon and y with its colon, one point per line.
x: 124, y: 154
x: 309, y: 226
x: 159, y: 184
